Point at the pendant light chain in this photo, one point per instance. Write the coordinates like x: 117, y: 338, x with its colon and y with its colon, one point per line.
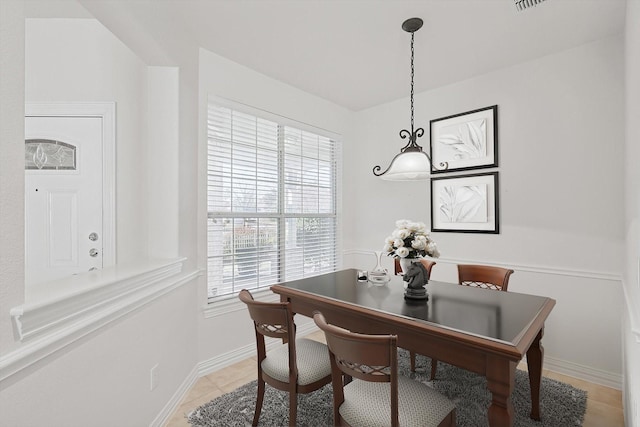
x: 412, y: 72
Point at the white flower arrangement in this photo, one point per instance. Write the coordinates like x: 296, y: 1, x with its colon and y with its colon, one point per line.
x: 410, y: 240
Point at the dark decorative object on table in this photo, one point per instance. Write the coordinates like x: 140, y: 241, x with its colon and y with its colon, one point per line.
x: 416, y: 277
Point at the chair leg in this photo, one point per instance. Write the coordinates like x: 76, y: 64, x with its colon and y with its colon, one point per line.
x: 449, y: 421
x: 293, y: 408
x: 412, y: 359
x: 434, y: 367
x: 259, y: 398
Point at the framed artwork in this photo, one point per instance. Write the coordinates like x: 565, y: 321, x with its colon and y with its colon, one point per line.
x: 465, y: 141
x: 465, y: 203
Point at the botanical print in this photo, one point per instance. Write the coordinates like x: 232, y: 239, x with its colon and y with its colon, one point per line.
x: 463, y: 204
x: 468, y: 140
x: 464, y: 141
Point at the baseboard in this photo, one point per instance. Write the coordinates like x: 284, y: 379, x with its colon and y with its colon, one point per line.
x: 592, y: 375
x: 172, y: 405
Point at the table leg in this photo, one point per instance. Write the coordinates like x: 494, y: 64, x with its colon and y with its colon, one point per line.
x: 534, y: 364
x: 501, y: 376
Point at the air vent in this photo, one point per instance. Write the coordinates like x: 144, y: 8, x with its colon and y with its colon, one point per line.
x: 524, y: 4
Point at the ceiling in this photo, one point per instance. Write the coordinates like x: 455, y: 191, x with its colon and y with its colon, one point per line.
x: 353, y: 52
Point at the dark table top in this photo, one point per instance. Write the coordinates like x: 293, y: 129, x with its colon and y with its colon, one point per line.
x: 495, y: 315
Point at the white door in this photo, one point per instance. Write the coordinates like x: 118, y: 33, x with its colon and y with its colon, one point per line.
x: 63, y: 199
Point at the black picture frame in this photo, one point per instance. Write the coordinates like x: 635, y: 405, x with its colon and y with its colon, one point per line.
x: 466, y: 203
x: 464, y: 141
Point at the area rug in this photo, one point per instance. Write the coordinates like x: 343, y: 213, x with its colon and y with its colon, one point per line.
x: 561, y: 405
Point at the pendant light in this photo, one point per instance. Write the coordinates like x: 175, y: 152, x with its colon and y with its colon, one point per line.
x: 412, y: 163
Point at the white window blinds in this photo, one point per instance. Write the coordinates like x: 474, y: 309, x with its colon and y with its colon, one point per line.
x: 271, y: 202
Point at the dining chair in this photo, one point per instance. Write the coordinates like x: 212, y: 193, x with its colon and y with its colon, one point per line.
x: 297, y: 366
x: 377, y: 395
x: 427, y: 264
x: 479, y: 276
x: 484, y: 276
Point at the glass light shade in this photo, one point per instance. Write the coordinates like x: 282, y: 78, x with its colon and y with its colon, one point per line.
x: 408, y: 166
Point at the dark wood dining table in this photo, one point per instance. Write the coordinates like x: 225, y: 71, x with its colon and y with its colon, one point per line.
x: 486, y: 332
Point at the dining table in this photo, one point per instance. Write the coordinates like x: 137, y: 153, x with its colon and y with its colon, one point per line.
x: 484, y: 331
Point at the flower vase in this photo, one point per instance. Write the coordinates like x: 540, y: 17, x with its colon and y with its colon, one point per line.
x: 405, y: 263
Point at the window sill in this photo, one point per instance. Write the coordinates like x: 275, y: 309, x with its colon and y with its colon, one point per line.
x: 230, y: 304
x: 81, y: 304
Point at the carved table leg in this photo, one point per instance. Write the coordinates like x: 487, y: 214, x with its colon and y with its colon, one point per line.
x: 534, y: 363
x: 500, y: 381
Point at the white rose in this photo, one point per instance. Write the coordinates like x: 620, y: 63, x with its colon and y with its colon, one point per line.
x: 401, y: 223
x: 432, y: 249
x: 418, y: 244
x: 398, y: 243
x: 388, y: 248
x: 402, y: 252
x: 404, y: 233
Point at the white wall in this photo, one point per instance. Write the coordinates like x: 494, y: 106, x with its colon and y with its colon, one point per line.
x: 11, y: 165
x: 560, y: 139
x: 161, y: 158
x: 225, y: 333
x: 62, y: 66
x: 631, y: 279
x: 103, y: 377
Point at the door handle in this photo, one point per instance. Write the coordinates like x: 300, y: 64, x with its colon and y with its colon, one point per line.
x: 93, y: 252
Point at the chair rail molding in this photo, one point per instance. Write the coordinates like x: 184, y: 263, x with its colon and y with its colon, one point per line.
x: 609, y: 276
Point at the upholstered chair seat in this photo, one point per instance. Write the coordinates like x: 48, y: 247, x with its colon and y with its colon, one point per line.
x: 312, y: 358
x: 369, y: 404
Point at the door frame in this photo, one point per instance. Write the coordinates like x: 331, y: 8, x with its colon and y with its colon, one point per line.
x: 107, y: 112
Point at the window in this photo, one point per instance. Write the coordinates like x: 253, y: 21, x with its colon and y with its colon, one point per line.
x: 49, y: 154
x: 271, y: 202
